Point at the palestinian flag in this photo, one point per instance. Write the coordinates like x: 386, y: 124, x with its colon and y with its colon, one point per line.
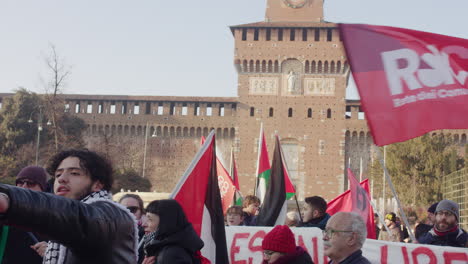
x: 263, y: 167
x: 198, y: 194
x: 237, y: 195
x: 274, y: 206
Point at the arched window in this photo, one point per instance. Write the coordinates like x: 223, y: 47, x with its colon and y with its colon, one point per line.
x: 309, y: 113
x: 329, y: 113
x: 271, y: 112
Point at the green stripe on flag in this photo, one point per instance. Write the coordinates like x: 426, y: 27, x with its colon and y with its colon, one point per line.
x: 265, y: 175
x: 289, y: 195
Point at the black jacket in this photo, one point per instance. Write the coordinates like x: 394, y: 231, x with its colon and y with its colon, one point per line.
x: 355, y: 258
x: 18, y: 248
x: 457, y: 238
x: 100, y: 232
x: 320, y: 222
x: 176, y: 242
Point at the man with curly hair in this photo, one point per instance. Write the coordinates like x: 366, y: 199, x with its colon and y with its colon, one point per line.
x: 84, y: 225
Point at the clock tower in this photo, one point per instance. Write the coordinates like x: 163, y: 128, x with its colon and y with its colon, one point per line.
x: 294, y: 11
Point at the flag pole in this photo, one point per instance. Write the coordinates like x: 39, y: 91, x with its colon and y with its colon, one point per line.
x: 349, y: 167
x: 231, y: 172
x: 360, y: 170
x: 298, y: 208
x: 260, y: 138
x: 390, y: 184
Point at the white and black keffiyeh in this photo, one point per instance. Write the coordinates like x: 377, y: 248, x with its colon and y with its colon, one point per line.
x: 55, y: 252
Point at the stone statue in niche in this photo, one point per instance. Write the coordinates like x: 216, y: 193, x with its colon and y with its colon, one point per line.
x: 292, y: 77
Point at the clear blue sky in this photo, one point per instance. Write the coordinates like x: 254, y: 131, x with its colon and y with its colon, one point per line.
x: 155, y: 47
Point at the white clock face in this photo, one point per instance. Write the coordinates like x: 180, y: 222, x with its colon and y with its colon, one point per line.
x: 295, y: 3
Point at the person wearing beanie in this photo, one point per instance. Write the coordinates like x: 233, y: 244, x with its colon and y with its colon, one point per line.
x: 395, y: 231
x: 423, y: 228
x: 279, y: 247
x: 446, y: 231
x: 33, y: 178
x: 22, y: 246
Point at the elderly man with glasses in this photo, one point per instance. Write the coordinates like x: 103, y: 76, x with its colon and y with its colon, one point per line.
x: 446, y: 231
x: 343, y: 238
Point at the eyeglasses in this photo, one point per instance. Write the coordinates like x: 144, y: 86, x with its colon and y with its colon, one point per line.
x: 446, y: 213
x: 329, y: 232
x: 28, y: 183
x: 133, y: 209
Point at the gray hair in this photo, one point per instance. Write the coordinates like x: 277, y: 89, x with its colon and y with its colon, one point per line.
x: 358, y: 226
x: 354, y: 223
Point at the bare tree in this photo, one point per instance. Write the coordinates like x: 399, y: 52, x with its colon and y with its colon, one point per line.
x: 59, y: 72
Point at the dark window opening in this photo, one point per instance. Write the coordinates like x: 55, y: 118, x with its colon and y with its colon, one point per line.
x: 290, y: 112
x: 268, y: 34
x: 172, y: 109
x: 292, y: 34
x: 280, y: 34
x: 244, y: 34
x: 252, y: 111
x: 329, y: 35
x: 256, y: 34
x: 329, y: 113
x: 304, y: 34
x: 309, y: 113
x: 317, y: 34
x: 271, y: 112
x: 148, y: 108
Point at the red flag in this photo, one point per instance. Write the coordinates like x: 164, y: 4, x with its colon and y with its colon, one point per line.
x: 226, y: 187
x: 347, y: 201
x: 198, y: 194
x: 410, y: 82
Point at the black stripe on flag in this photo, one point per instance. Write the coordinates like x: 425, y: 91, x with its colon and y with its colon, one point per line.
x: 214, y: 207
x: 276, y: 192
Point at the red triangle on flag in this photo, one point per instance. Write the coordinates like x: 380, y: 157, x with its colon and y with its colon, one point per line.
x: 198, y: 194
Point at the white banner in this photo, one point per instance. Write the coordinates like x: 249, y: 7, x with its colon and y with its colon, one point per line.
x: 244, y: 244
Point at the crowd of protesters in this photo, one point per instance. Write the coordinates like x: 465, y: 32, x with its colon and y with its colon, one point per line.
x: 86, y: 226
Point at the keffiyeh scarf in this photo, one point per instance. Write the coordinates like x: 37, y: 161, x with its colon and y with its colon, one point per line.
x: 55, y: 252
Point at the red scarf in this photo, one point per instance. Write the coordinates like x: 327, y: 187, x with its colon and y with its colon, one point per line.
x: 455, y: 228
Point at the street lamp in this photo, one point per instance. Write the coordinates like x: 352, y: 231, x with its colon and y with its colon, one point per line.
x: 146, y: 144
x: 39, y: 129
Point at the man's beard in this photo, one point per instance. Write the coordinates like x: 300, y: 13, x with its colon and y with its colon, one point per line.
x: 449, y: 226
x: 85, y: 192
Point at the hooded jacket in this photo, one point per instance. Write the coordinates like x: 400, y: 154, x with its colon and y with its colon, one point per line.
x: 175, y: 240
